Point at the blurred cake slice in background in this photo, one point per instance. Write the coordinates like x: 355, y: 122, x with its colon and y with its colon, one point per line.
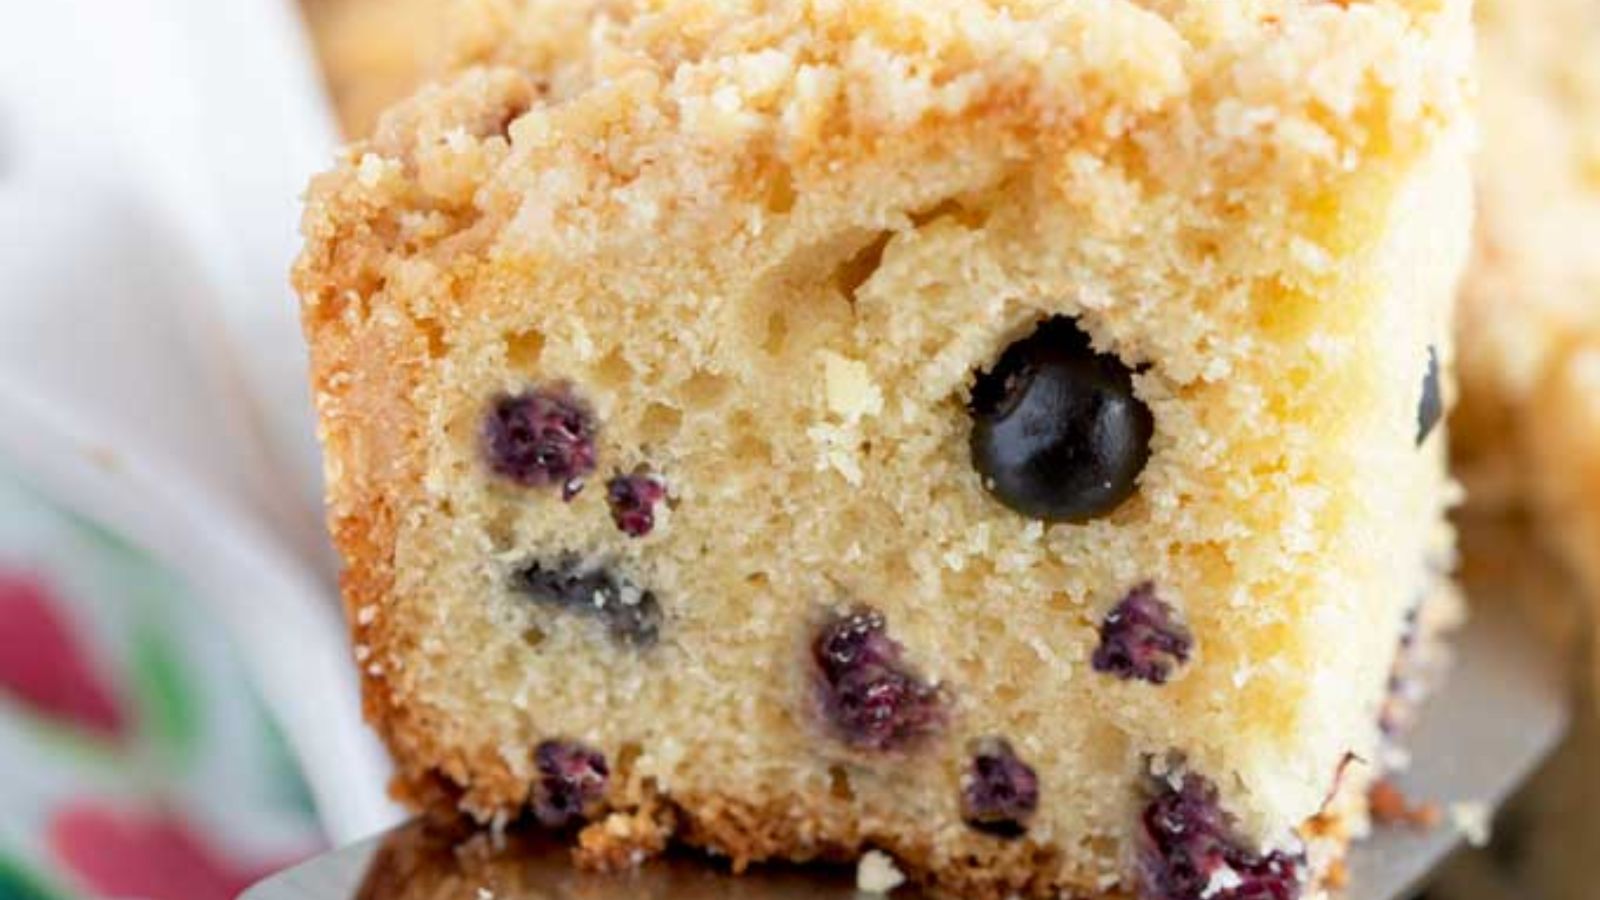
x: 1534, y: 280
x: 377, y: 52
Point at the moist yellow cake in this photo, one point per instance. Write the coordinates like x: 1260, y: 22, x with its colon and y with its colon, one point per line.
x: 1000, y: 435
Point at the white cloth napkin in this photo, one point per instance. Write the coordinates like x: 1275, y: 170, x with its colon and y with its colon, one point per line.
x: 152, y: 154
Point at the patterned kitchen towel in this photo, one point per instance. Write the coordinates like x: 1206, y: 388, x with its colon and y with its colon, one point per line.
x: 136, y: 761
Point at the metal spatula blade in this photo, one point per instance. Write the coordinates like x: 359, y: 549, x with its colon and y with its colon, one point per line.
x: 1499, y: 712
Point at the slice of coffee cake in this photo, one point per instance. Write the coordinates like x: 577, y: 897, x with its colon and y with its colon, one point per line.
x: 1003, y: 435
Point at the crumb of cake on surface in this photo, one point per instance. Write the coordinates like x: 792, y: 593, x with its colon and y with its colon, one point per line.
x: 876, y: 873
x: 1391, y: 807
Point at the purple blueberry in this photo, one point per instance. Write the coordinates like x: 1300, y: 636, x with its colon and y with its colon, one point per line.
x: 1057, y: 431
x: 1142, y: 638
x: 541, y: 437
x: 571, y: 783
x: 870, y: 697
x: 631, y: 615
x: 999, y: 792
x: 854, y: 641
x: 633, y: 500
x: 1402, y: 690
x: 1188, y: 851
x: 1430, y: 409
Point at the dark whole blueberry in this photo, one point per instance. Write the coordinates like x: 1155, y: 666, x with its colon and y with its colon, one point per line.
x: 999, y: 792
x: 1188, y: 851
x: 571, y: 783
x: 631, y: 615
x: 633, y: 500
x: 1057, y: 432
x: 872, y: 699
x: 541, y: 437
x: 1431, y: 407
x: 1142, y: 638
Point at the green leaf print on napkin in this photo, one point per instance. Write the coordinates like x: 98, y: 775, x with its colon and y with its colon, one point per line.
x: 287, y: 784
x: 170, y: 717
x: 17, y: 883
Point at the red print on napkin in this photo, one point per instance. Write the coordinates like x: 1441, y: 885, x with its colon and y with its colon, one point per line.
x: 47, y: 666
x: 151, y: 854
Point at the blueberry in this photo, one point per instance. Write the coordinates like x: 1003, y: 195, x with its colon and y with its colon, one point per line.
x: 1188, y: 851
x: 1142, y: 638
x: 1057, y: 432
x: 999, y: 792
x: 855, y: 641
x: 631, y: 615
x: 570, y: 785
x: 541, y: 437
x: 1401, y: 688
x: 633, y: 500
x: 1431, y: 407
x: 870, y: 697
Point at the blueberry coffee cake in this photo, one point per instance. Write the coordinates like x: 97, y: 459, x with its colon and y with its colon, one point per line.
x: 1001, y: 436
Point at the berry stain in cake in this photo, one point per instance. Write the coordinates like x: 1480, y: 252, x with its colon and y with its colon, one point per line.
x: 873, y: 700
x: 999, y: 792
x: 1142, y: 638
x: 630, y: 614
x: 570, y: 784
x: 1057, y: 431
x: 633, y: 500
x: 541, y: 437
x: 1188, y: 851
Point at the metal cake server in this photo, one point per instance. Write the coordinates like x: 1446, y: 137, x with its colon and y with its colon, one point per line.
x: 1499, y: 712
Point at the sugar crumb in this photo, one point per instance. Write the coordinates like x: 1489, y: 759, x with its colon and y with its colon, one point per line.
x: 849, y: 389
x: 1472, y: 820
x: 1391, y: 807
x: 876, y: 873
x: 371, y: 169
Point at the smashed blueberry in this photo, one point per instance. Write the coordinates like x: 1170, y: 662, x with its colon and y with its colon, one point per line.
x: 1188, y: 851
x: 1058, y: 433
x: 869, y: 696
x: 1401, y: 691
x: 999, y: 792
x: 541, y: 437
x: 571, y: 783
x: 1142, y: 638
x: 1431, y: 407
x: 633, y: 500
x: 631, y: 615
